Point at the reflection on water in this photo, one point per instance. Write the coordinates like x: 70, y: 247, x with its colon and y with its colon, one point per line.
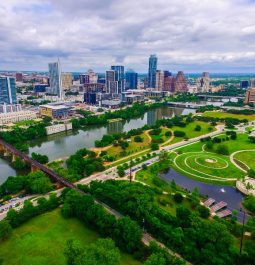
x: 218, y: 192
x: 66, y: 143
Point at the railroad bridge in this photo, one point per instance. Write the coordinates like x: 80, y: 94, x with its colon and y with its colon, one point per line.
x: 9, y: 150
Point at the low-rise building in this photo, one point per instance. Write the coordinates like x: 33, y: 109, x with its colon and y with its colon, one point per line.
x: 58, y: 128
x: 55, y: 111
x: 17, y: 116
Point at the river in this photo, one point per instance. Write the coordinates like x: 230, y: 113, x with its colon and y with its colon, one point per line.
x: 62, y: 145
x: 228, y: 194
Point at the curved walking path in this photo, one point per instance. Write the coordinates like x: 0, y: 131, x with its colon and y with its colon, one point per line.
x: 233, y: 160
x: 214, y: 178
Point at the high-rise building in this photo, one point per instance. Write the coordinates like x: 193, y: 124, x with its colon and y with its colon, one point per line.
x: 180, y: 83
x: 250, y: 96
x: 119, y: 77
x: 7, y: 90
x: 153, y: 61
x: 55, y: 79
x: 252, y: 83
x: 67, y: 80
x: 159, y: 80
x: 19, y: 77
x: 89, y: 78
x: 203, y: 83
x: 110, y: 82
x: 168, y: 81
x: 244, y: 84
x: 131, y: 79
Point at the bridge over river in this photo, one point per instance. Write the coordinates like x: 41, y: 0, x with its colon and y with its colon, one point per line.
x: 9, y: 150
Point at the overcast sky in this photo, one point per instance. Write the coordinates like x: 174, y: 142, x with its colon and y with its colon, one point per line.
x: 189, y: 35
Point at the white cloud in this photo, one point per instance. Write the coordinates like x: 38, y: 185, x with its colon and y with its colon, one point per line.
x: 192, y: 35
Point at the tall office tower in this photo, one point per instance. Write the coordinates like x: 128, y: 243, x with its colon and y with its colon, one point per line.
x: 7, y: 90
x: 110, y: 82
x: 153, y: 60
x: 252, y: 83
x: 55, y: 79
x: 250, y: 96
x: 89, y: 78
x: 159, y: 80
x: 131, y: 79
x: 244, y: 84
x: 203, y: 83
x: 168, y: 80
x: 19, y: 77
x: 180, y: 83
x: 67, y: 80
x: 119, y: 77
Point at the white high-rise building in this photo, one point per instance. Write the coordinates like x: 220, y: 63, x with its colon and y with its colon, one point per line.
x: 55, y: 79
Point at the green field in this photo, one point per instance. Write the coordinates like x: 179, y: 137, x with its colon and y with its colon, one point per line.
x: 211, y: 167
x: 133, y: 147
x: 247, y: 157
x: 223, y: 115
x: 41, y: 241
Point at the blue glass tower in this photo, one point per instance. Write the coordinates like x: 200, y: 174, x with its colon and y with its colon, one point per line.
x: 119, y: 77
x: 131, y: 79
x: 153, y: 61
x: 8, y: 90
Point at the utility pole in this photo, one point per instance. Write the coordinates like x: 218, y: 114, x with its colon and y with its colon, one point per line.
x: 130, y: 170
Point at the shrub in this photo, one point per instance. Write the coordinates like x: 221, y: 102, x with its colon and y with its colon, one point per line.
x: 179, y: 133
x: 178, y: 197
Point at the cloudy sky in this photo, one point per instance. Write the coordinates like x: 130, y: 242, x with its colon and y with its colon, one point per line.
x: 189, y: 35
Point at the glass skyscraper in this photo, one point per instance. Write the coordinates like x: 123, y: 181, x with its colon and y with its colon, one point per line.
x: 131, y: 80
x: 153, y: 61
x: 55, y: 79
x: 119, y: 77
x: 8, y: 90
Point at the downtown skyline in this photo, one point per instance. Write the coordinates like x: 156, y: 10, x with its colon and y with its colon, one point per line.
x: 189, y: 36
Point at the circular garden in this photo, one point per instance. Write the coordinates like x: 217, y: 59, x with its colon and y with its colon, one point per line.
x: 207, y: 166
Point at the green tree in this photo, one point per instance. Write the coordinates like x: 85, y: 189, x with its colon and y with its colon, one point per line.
x: 43, y: 159
x: 222, y: 149
x: 5, y: 229
x: 101, y: 252
x: 154, y: 146
x: 127, y: 234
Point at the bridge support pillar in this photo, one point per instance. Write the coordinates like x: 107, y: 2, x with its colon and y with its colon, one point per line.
x: 34, y: 168
x: 14, y: 157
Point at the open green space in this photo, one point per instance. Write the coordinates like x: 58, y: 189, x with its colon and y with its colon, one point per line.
x: 223, y: 115
x: 132, y: 148
x: 247, y: 157
x: 209, y: 166
x: 41, y: 241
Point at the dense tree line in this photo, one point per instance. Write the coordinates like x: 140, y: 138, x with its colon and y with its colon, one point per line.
x: 16, y: 218
x: 18, y: 136
x: 125, y: 232
x: 103, y: 251
x: 35, y: 183
x: 84, y: 162
x: 43, y: 159
x: 194, y: 238
x: 137, y: 109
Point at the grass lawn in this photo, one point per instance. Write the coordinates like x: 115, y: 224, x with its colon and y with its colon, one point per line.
x: 210, y: 166
x: 133, y: 147
x: 164, y: 200
x: 41, y: 241
x: 247, y: 158
x: 190, y: 130
x: 223, y: 115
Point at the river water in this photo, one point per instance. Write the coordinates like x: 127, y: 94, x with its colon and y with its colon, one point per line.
x: 61, y: 145
x: 228, y: 194
x: 64, y: 144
